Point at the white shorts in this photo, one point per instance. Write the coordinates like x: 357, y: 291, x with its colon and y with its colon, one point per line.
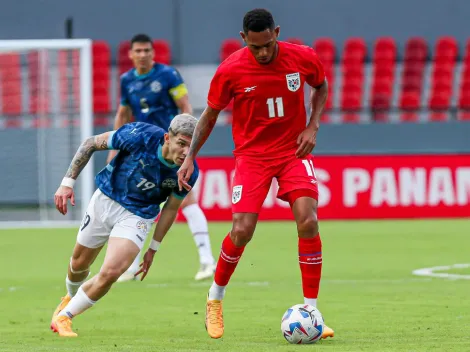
x: 105, y: 217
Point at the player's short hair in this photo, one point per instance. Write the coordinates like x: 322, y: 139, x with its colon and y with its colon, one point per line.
x: 258, y: 20
x: 183, y: 124
x: 141, y: 38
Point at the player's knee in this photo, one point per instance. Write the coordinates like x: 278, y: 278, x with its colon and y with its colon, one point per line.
x: 307, y: 227
x: 241, y: 234
x: 108, y: 276
x: 79, y: 265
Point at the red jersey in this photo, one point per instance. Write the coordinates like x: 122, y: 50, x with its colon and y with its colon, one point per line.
x: 269, y: 107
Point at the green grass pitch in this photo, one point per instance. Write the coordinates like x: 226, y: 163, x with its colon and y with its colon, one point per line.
x: 368, y: 294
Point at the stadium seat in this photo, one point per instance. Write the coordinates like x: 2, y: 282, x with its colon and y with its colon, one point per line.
x: 38, y: 82
x: 162, y: 52
x: 416, y: 50
x: 101, y: 78
x: 354, y: 52
x: 297, y: 41
x: 383, y: 75
x: 385, y: 50
x: 438, y: 116
x: 351, y: 97
x: 69, y: 83
x: 228, y: 47
x: 409, y: 116
x: 10, y: 84
x: 329, y: 74
x: 446, y: 50
x: 123, y: 61
x: 326, y: 50
x: 464, y: 98
x: 410, y: 100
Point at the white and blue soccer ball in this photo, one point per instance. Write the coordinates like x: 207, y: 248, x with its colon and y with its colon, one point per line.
x: 302, y: 323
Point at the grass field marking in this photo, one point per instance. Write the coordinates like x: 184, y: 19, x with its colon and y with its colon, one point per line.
x: 431, y: 272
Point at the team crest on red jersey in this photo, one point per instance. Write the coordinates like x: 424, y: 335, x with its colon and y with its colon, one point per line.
x: 236, y: 194
x: 293, y: 81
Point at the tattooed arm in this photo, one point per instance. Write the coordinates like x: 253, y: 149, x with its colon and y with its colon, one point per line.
x: 84, y: 153
x: 203, y: 129
x: 81, y: 158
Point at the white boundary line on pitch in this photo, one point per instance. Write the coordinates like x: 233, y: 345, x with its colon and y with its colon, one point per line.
x: 431, y: 272
x: 13, y: 225
x: 266, y: 283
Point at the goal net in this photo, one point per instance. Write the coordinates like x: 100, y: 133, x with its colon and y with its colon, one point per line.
x: 45, y: 113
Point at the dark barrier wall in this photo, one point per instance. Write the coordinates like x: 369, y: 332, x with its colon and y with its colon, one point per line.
x: 19, y: 158
x: 196, y: 28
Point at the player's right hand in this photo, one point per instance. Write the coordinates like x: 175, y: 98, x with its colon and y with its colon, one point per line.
x: 146, y: 264
x: 184, y: 174
x: 61, y: 196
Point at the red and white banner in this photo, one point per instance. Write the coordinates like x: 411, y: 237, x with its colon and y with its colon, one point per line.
x: 357, y: 187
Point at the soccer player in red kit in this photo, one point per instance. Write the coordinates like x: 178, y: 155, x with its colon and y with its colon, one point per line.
x: 272, y: 139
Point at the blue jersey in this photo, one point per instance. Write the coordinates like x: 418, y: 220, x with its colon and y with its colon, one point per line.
x: 139, y: 178
x: 152, y: 96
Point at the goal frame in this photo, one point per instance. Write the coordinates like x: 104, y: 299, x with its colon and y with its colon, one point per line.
x: 86, y: 104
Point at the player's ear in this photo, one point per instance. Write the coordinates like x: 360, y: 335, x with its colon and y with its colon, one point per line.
x: 243, y: 35
x: 167, y: 138
x: 277, y: 30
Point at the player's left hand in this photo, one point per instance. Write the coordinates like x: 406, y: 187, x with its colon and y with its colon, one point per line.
x: 306, y: 141
x: 146, y: 264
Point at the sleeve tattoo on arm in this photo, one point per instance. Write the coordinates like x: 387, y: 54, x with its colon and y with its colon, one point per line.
x: 84, y: 153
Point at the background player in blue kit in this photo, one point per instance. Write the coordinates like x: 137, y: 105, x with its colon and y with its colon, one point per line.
x: 155, y: 93
x: 123, y: 208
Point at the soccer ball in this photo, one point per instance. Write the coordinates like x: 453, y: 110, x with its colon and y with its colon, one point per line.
x: 302, y: 323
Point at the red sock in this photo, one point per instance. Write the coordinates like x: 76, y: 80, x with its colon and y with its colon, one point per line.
x: 228, y: 260
x: 310, y: 261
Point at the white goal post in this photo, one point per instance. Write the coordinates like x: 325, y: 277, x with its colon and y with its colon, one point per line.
x: 43, y: 125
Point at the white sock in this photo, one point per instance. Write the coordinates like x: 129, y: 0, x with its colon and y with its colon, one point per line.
x: 135, y: 264
x: 197, y: 223
x: 78, y: 304
x: 217, y: 292
x: 310, y: 301
x: 72, y: 287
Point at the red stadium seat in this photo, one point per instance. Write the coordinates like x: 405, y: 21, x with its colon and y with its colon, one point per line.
x: 351, y: 97
x: 162, y: 52
x: 38, y: 82
x: 10, y: 84
x: 446, y: 50
x: 354, y: 52
x: 409, y: 116
x: 101, y: 77
x: 464, y: 98
x: 297, y: 41
x: 326, y: 50
x: 436, y: 116
x: 410, y: 100
x: 385, y: 50
x: 69, y: 81
x: 228, y: 47
x: 416, y: 50
x: 351, y: 118
x: 123, y: 60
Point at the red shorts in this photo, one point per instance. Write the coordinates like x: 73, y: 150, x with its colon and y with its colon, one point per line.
x: 253, y: 178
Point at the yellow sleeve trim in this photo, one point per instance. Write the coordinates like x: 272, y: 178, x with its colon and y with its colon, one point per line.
x: 179, y: 91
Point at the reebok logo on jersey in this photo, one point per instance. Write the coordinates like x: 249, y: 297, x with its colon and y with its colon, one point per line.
x: 249, y: 89
x: 133, y: 131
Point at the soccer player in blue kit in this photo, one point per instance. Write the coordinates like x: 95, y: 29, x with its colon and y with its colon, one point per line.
x: 123, y: 208
x: 154, y: 93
